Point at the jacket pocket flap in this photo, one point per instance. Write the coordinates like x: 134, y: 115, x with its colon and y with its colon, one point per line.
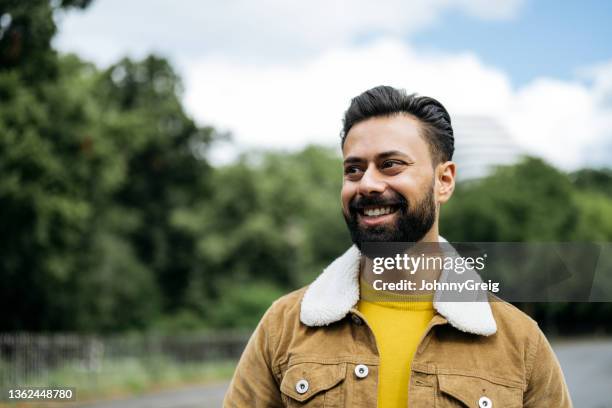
x: 478, y: 392
x: 319, y: 377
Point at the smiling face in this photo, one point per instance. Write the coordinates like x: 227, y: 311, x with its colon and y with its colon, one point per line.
x: 391, y: 189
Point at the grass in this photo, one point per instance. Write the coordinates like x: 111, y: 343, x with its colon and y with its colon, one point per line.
x: 131, y: 376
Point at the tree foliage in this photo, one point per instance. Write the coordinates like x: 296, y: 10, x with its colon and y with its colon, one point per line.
x: 94, y: 163
x: 112, y: 218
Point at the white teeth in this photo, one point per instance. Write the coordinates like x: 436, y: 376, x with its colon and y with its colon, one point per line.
x: 375, y: 212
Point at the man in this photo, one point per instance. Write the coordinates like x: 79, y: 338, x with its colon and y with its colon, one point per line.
x: 330, y: 345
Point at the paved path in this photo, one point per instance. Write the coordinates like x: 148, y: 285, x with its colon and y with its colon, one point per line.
x: 208, y: 396
x: 587, y: 366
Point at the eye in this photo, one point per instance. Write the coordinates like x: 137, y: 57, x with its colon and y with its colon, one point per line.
x: 387, y: 164
x: 352, y: 170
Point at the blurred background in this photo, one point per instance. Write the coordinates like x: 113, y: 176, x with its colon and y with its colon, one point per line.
x: 168, y: 169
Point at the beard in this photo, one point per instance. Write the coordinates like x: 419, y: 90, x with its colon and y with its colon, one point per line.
x: 412, y: 220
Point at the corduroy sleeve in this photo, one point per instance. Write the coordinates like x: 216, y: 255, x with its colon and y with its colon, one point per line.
x: 253, y: 383
x: 546, y: 385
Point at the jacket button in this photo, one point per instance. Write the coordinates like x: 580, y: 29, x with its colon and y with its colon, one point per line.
x: 485, y: 402
x: 357, y: 320
x: 361, y: 370
x: 301, y: 386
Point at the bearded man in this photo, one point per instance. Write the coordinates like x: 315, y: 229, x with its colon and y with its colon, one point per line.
x: 335, y: 343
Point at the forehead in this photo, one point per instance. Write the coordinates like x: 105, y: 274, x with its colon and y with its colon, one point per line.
x: 372, y: 136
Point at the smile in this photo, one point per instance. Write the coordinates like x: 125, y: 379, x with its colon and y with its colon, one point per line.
x: 377, y: 211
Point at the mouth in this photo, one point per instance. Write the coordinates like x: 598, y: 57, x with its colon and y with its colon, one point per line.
x: 372, y: 215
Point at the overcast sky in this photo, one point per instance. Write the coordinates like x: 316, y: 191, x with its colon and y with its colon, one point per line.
x: 280, y: 73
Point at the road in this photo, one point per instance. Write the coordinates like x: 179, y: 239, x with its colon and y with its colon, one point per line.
x: 587, y: 366
x: 208, y: 396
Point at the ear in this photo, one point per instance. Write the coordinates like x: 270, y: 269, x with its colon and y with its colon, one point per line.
x: 445, y: 181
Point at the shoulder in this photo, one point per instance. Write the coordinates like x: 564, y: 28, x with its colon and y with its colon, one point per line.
x: 517, y: 330
x: 510, y: 317
x: 289, y: 303
x: 280, y: 325
x: 284, y: 312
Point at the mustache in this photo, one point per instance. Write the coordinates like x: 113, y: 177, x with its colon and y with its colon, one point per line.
x: 360, y: 202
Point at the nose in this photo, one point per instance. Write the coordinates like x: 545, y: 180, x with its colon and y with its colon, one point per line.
x: 371, y: 183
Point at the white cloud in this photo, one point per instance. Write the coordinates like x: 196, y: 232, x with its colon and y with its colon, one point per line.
x: 280, y: 74
x: 601, y: 77
x: 556, y: 120
x: 599, y: 151
x: 258, y: 30
x: 287, y: 105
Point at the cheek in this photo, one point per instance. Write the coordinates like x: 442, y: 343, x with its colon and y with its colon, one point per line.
x: 413, y: 187
x: 346, y: 194
x: 407, y: 187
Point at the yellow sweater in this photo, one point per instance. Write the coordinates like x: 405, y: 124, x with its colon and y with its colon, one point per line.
x: 398, y: 322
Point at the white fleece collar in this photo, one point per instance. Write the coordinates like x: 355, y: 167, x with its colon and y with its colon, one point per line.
x: 336, y: 291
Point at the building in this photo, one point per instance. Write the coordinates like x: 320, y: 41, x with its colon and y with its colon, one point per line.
x: 481, y: 144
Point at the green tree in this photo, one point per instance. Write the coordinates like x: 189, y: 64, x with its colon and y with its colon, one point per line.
x: 272, y: 224
x: 163, y: 151
x: 94, y: 164
x: 26, y: 30
x: 534, y: 202
x: 530, y: 201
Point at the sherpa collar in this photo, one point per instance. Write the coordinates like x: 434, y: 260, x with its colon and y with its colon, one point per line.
x: 336, y: 291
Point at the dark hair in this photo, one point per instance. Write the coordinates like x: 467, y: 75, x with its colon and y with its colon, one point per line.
x: 389, y: 101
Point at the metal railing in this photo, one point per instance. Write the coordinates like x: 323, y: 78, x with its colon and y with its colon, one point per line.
x: 29, y: 359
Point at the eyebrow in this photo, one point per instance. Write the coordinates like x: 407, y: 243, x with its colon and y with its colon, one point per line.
x: 379, y: 156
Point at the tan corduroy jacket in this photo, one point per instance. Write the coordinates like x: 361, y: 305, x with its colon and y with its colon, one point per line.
x: 313, y: 348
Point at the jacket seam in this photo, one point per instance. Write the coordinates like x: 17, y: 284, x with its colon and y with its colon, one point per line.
x: 272, y: 348
x: 349, y: 359
x: 489, y: 378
